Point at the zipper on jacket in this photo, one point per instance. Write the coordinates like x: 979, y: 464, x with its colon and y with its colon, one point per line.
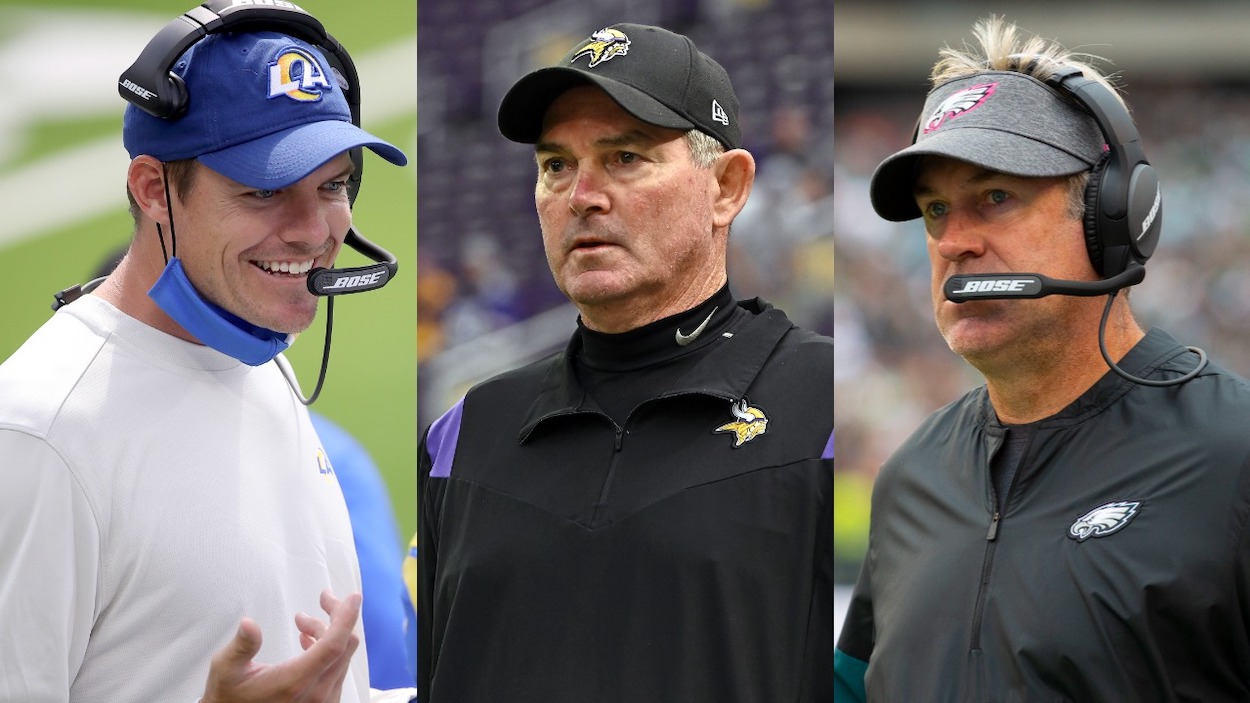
x: 606, y: 490
x: 991, y: 539
x: 979, y: 612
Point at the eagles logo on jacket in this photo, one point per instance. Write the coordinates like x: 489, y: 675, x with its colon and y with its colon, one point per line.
x: 1117, y: 570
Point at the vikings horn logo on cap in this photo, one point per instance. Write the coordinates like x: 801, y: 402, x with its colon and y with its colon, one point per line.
x: 604, y: 45
x: 297, y: 75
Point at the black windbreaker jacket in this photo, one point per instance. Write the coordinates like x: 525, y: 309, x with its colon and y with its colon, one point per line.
x: 1118, y: 570
x: 565, y: 559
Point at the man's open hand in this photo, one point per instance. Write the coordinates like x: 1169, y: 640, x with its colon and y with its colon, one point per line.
x: 315, y: 676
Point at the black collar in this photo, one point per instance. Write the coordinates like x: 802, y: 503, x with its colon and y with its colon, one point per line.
x: 662, y: 340
x: 728, y: 366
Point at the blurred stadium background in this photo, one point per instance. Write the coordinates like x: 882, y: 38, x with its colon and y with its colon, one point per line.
x: 1185, y: 68
x: 486, y: 302
x: 63, y: 195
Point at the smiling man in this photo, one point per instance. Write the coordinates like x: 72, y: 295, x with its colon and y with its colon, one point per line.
x: 170, y: 520
x: 646, y: 515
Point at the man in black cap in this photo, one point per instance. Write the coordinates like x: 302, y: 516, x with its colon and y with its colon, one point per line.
x: 646, y: 515
x: 1075, y: 529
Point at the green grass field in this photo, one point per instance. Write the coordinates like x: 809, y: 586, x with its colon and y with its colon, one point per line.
x: 371, y: 385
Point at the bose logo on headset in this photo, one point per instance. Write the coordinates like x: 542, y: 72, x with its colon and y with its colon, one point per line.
x: 356, y: 281
x: 997, y: 285
x: 1154, y: 211
x: 138, y: 90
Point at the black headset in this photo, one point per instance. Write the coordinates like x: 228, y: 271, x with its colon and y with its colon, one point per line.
x: 1123, y: 200
x: 1122, y: 221
x: 151, y: 85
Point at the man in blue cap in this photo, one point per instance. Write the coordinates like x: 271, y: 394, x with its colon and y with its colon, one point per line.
x: 167, y: 499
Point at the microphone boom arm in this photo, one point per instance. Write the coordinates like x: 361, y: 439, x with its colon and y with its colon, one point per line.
x: 961, y: 288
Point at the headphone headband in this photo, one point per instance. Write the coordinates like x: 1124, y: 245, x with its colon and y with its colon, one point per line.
x: 1123, y: 200
x: 150, y: 84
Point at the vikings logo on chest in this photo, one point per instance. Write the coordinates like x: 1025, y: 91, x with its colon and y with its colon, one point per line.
x: 750, y: 424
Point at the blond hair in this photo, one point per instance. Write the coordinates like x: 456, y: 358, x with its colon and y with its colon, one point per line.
x: 1004, y: 47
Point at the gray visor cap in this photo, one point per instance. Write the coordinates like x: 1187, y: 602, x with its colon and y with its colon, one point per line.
x: 1003, y: 121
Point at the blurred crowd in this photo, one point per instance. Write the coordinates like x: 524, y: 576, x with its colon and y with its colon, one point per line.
x: 893, y: 367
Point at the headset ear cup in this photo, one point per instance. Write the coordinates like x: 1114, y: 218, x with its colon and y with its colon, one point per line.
x: 1093, y: 189
x: 177, y: 104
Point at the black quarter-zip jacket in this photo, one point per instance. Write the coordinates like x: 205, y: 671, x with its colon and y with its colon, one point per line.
x: 654, y: 547
x: 1117, y: 570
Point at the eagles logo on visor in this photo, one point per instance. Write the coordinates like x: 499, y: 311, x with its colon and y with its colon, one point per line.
x: 959, y: 103
x: 604, y: 45
x: 298, y: 75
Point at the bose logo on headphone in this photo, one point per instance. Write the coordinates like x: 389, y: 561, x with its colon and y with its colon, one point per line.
x: 137, y: 89
x: 343, y: 282
x: 1154, y: 211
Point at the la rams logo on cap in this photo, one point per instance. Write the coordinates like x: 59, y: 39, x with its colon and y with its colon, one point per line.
x: 603, y: 45
x: 750, y: 424
x: 298, y: 75
x: 959, y: 103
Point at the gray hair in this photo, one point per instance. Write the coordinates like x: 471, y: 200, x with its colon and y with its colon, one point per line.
x: 704, y: 149
x: 1077, y: 183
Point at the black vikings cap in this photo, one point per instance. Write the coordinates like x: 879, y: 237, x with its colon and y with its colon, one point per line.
x: 655, y: 75
x: 1003, y: 121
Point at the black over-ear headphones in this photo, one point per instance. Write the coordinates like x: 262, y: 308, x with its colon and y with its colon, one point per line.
x: 151, y: 85
x: 1123, y: 201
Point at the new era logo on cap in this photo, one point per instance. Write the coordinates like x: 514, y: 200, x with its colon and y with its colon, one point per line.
x: 718, y: 114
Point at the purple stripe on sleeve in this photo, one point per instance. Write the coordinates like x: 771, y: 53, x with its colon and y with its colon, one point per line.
x: 828, y: 453
x: 441, y: 443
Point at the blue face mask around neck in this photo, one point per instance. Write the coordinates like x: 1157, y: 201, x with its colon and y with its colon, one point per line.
x: 211, y: 325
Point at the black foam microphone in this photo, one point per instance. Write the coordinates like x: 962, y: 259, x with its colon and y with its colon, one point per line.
x: 961, y: 288
x: 324, y: 281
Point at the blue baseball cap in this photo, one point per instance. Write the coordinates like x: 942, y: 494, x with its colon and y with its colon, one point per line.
x: 264, y: 109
